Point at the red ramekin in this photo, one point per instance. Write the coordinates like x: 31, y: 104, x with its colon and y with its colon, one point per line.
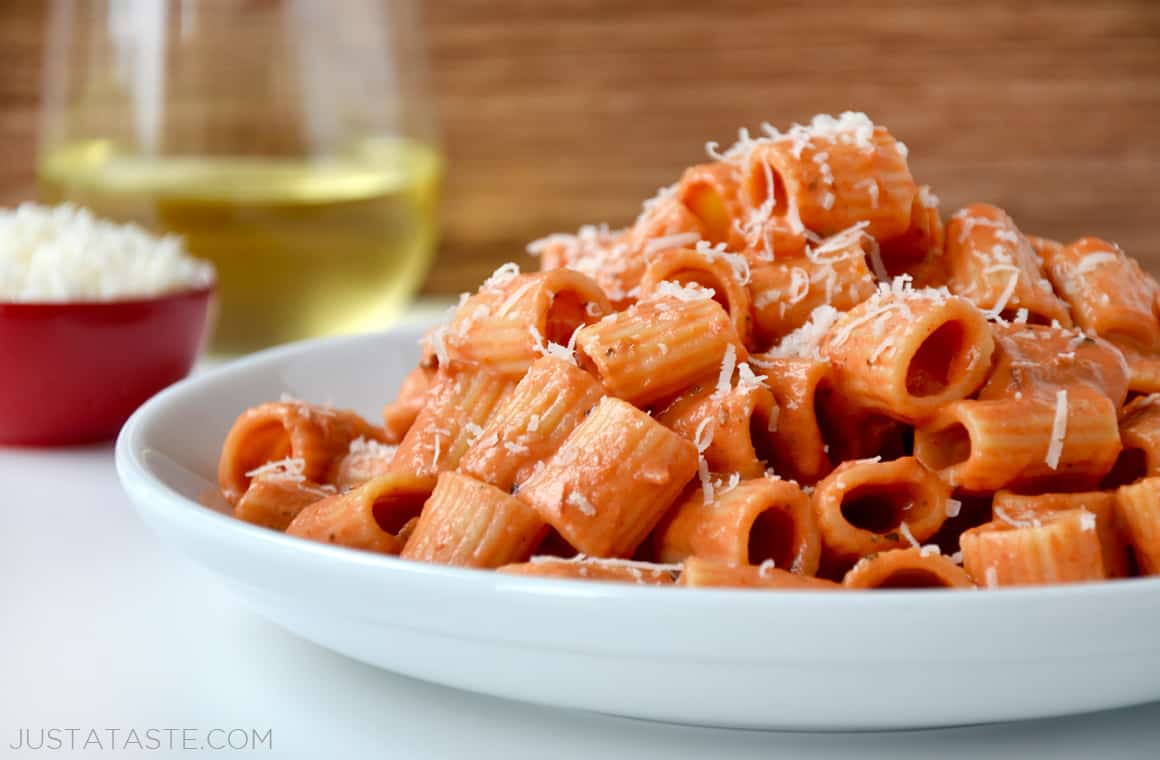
x: 73, y: 372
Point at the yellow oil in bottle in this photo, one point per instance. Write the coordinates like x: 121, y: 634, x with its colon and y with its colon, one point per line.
x: 302, y: 248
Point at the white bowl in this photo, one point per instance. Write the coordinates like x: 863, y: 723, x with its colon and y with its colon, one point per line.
x: 788, y: 660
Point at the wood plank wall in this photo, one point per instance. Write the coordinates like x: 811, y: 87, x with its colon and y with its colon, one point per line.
x: 561, y: 112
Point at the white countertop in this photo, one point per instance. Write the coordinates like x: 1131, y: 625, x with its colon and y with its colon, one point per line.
x: 103, y: 627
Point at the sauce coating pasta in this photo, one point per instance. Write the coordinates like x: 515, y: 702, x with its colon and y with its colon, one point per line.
x: 790, y: 372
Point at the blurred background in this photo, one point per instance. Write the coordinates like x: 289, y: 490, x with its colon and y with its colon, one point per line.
x: 558, y: 113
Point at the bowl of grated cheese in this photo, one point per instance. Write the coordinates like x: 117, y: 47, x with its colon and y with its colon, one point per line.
x: 95, y: 317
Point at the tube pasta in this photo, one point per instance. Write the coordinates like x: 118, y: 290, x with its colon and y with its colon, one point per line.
x: 798, y: 449
x: 1108, y: 292
x: 992, y: 264
x: 363, y: 461
x: 609, y: 484
x: 1020, y: 509
x: 734, y: 425
x: 761, y: 521
x: 912, y: 252
x: 704, y: 573
x: 609, y: 257
x: 906, y: 355
x: 469, y: 523
x: 310, y: 434
x: 273, y: 502
x: 1143, y: 372
x: 1009, y: 443
x: 720, y: 272
x: 511, y: 320
x: 531, y: 423
x: 1140, y: 436
x: 1030, y: 357
x: 400, y: 414
x: 864, y: 507
x: 595, y: 569
x: 829, y: 179
x: 711, y: 192
x: 906, y: 569
x: 1063, y: 547
x: 786, y: 291
x: 657, y: 347
x: 460, y: 400
x: 1138, y: 507
x: 369, y: 517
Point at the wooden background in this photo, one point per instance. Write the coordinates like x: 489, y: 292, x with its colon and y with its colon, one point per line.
x: 561, y: 112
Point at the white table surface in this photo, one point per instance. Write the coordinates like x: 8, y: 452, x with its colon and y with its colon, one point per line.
x: 103, y: 627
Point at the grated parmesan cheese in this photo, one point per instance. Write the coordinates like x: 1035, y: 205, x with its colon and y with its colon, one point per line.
x: 706, y: 482
x: 515, y: 448
x: 1087, y: 520
x: 665, y: 242
x: 688, y: 293
x: 763, y: 570
x: 291, y: 469
x: 1094, y: 261
x: 725, y: 377
x: 703, y: 444
x: 904, y: 530
x: 576, y: 499
x: 65, y: 253
x: 774, y: 416
x: 747, y: 380
x: 372, y: 448
x: 804, y: 341
x: 1058, y: 430
x: 504, y: 274
x: 954, y: 507
x: 1004, y: 517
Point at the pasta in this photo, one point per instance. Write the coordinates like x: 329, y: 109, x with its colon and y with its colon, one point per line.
x: 1062, y: 547
x: 991, y: 263
x: 906, y: 568
x: 1140, y: 435
x: 761, y: 521
x: 611, y: 481
x: 469, y: 523
x: 789, y: 372
x: 865, y: 507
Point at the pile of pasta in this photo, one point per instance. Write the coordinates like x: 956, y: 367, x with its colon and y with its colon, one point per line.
x: 785, y: 374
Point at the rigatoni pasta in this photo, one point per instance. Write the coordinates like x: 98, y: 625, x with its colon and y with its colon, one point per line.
x: 613, y: 478
x: 789, y: 372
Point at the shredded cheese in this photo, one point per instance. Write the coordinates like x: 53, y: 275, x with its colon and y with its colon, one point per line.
x: 1003, y: 516
x: 725, y: 376
x: 689, y: 292
x: 290, y: 469
x: 577, y: 499
x: 804, y: 342
x: 65, y: 253
x: 665, y: 242
x: 1058, y: 430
